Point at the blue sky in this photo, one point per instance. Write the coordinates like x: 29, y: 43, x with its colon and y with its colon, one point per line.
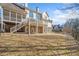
x: 54, y: 11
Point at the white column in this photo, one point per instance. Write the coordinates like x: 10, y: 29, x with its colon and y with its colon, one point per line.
x: 1, y: 19
x: 36, y: 22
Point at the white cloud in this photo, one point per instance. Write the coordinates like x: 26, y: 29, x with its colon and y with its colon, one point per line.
x: 61, y: 16
x: 57, y: 12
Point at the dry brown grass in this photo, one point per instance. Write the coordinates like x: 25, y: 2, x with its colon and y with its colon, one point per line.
x: 24, y: 45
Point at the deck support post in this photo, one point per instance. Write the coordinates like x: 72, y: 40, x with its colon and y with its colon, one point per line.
x: 37, y: 26
x: 37, y: 20
x: 43, y: 26
x: 46, y: 26
x: 16, y: 20
x: 29, y: 26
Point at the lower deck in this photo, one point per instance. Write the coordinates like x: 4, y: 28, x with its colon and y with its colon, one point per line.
x: 25, y: 29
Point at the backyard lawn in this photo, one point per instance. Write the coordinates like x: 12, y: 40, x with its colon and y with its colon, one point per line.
x: 37, y: 45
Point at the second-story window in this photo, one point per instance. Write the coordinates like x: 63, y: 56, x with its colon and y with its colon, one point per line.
x: 38, y: 16
x: 31, y: 14
x: 18, y: 17
x: 13, y: 16
x: 6, y: 14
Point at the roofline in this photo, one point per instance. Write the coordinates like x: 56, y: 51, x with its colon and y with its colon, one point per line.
x: 19, y: 6
x: 27, y: 8
x: 33, y: 10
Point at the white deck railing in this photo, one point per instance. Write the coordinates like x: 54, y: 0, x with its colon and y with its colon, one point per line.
x: 12, y: 19
x: 18, y: 26
x: 23, y: 23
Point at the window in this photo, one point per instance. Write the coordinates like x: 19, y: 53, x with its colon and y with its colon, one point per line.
x: 19, y: 17
x: 38, y: 17
x: 24, y: 16
x: 6, y: 14
x: 13, y: 16
x: 31, y: 14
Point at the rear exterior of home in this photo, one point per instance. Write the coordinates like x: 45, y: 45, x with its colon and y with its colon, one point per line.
x: 16, y: 17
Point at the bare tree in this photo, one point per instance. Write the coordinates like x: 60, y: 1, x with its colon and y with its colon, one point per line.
x: 73, y: 24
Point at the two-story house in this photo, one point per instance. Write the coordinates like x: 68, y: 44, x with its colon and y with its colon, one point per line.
x: 16, y: 17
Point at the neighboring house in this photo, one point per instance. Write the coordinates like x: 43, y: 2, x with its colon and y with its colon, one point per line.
x: 57, y: 28
x: 15, y: 17
x: 47, y: 22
